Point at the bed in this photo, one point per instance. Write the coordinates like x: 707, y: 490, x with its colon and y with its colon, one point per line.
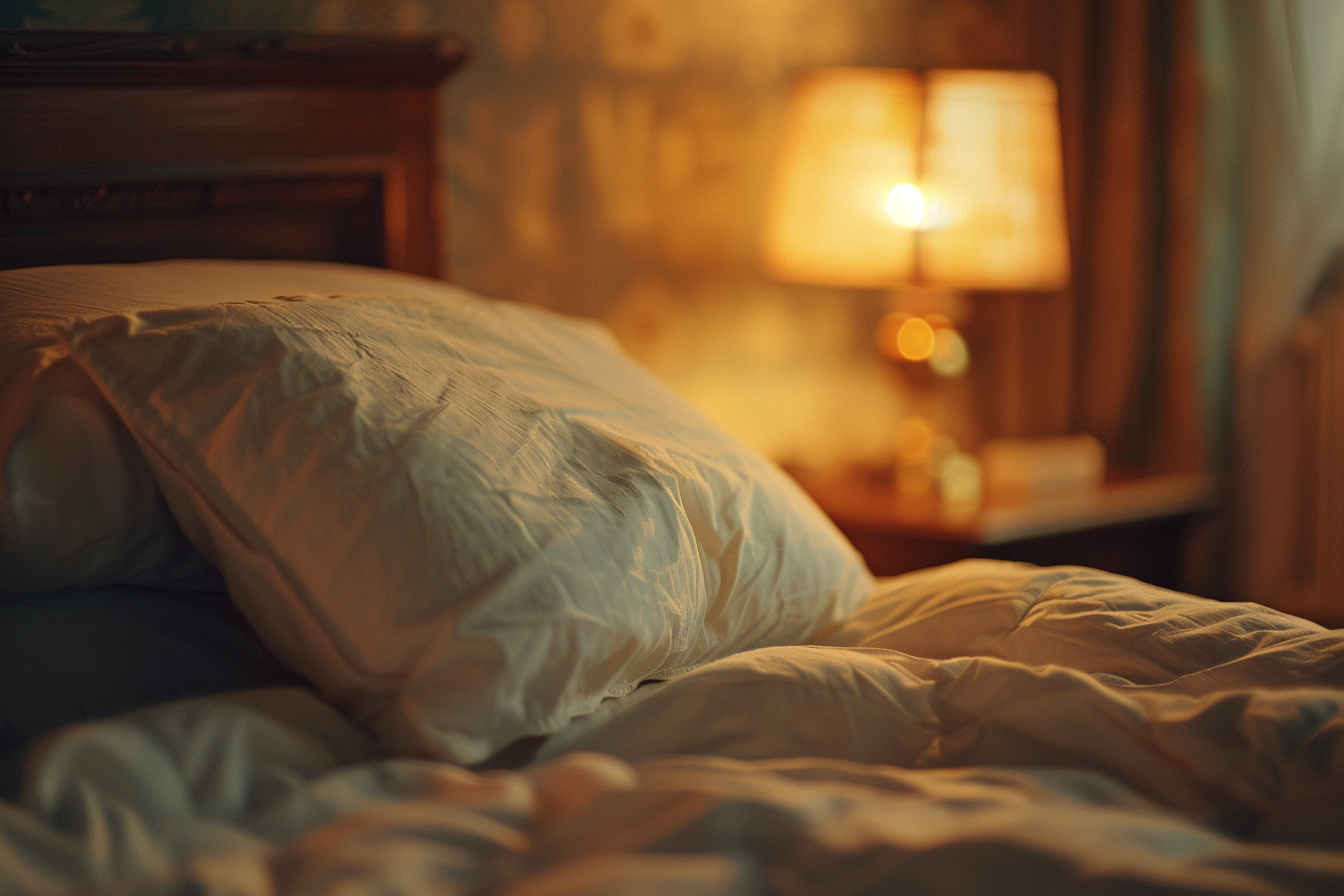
x: 322, y: 574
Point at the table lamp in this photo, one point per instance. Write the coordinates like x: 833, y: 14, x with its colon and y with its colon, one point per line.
x: 926, y: 185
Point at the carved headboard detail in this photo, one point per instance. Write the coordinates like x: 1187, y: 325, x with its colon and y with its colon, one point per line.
x: 122, y: 147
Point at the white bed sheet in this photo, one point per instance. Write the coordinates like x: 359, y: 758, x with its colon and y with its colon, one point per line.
x: 979, y: 728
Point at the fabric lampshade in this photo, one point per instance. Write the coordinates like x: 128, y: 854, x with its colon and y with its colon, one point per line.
x: 953, y: 178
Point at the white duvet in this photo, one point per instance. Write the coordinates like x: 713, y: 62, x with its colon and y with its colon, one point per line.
x: 979, y: 728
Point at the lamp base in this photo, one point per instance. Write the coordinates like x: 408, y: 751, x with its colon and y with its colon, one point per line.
x: 925, y: 300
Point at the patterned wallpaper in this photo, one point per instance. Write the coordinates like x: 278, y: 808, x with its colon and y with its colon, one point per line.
x: 609, y: 158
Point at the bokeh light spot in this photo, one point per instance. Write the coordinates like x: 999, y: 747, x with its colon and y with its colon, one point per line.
x: 905, y: 206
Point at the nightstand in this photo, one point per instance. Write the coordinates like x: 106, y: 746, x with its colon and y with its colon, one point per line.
x: 1136, y: 526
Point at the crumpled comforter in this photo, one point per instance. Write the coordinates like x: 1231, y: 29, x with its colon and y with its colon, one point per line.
x: 978, y: 728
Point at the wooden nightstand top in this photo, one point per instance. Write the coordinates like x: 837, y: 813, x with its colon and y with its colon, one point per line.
x: 868, y: 504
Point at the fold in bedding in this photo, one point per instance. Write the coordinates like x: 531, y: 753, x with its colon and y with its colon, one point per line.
x: 226, y: 797
x: 1248, y: 762
x: 984, y: 727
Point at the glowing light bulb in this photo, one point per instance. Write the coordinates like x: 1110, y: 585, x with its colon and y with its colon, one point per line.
x: 905, y: 206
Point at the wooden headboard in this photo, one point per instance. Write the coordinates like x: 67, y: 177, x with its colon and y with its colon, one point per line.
x: 133, y: 147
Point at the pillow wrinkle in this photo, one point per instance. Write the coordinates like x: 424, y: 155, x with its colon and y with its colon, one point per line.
x: 465, y: 521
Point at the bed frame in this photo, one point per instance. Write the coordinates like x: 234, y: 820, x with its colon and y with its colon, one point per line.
x: 133, y: 147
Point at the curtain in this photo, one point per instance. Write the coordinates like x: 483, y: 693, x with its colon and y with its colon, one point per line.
x: 1135, y: 241
x: 1273, y: 216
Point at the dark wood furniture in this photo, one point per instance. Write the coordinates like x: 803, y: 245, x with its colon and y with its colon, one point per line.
x: 1137, y: 526
x: 133, y: 147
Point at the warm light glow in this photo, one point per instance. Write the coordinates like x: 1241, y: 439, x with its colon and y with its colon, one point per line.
x: 849, y: 138
x: 955, y: 179
x: 942, y: 182
x: 905, y: 206
x: 904, y: 337
x: 950, y: 356
x: 914, y: 340
x: 992, y: 148
x: 928, y: 461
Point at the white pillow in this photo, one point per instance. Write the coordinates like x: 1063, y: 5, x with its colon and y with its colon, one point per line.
x: 78, y: 506
x: 466, y: 521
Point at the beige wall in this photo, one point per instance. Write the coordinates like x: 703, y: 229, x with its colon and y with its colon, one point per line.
x: 609, y: 158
